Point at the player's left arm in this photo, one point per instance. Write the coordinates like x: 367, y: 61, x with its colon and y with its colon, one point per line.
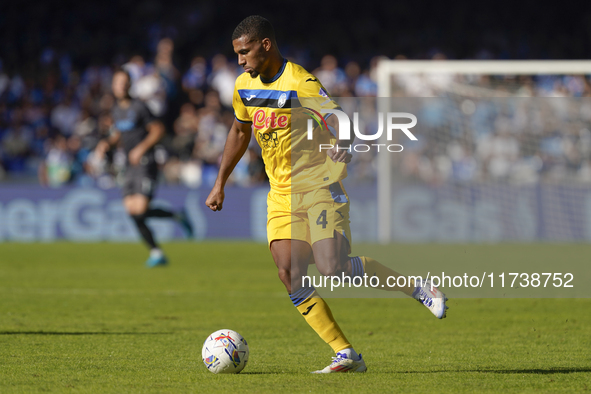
x: 155, y: 134
x: 316, y: 96
x: 104, y: 145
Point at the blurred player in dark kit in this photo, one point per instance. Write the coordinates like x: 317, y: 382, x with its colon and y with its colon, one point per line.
x: 138, y: 131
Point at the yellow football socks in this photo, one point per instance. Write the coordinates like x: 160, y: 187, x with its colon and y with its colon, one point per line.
x: 318, y: 315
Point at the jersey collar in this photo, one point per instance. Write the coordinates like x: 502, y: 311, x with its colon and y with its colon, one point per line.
x: 276, y: 77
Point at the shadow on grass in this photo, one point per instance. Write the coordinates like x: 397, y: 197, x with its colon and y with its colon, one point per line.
x: 80, y: 333
x: 535, y: 371
x: 261, y: 373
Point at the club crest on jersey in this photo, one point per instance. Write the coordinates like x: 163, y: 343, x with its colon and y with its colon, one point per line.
x: 282, y: 100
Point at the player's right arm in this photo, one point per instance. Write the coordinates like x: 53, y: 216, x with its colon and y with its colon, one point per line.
x: 236, y: 144
x: 106, y: 144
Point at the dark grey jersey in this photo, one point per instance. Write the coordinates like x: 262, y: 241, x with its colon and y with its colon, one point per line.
x: 131, y: 122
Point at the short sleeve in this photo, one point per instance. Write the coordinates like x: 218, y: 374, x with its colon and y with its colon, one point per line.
x: 240, y: 111
x: 313, y: 95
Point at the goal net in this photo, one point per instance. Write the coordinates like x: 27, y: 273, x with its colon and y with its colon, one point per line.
x: 503, y: 152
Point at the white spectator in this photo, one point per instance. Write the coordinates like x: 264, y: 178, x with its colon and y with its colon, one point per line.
x: 64, y: 117
x: 222, y: 79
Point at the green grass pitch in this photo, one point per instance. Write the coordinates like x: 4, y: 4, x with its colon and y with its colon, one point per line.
x: 89, y: 318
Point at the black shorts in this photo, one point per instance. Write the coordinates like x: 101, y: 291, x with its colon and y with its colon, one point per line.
x: 140, y: 179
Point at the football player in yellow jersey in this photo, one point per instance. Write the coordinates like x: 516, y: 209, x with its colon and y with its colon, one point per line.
x: 308, y: 208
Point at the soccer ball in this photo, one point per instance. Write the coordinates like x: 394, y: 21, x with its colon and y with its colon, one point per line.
x: 225, y: 351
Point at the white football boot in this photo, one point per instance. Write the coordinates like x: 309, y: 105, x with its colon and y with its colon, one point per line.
x: 432, y: 298
x: 344, y: 363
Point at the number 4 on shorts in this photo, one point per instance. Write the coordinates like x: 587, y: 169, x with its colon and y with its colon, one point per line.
x: 322, y: 219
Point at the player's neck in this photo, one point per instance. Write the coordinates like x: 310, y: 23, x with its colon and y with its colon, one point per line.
x: 275, y: 65
x: 124, y: 102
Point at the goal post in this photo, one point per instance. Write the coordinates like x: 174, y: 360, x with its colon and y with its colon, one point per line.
x: 389, y: 70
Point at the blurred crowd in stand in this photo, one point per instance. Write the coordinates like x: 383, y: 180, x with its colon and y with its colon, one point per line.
x: 49, y: 128
x: 522, y: 130
x: 56, y: 64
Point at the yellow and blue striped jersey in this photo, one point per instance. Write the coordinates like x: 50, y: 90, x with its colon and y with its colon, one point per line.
x: 293, y: 163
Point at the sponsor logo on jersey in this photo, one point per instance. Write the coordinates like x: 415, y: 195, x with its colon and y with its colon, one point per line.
x: 126, y: 124
x: 268, y: 140
x: 260, y: 120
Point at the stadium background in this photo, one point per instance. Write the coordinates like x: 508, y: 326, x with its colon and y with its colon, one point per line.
x: 55, y: 69
x: 86, y: 317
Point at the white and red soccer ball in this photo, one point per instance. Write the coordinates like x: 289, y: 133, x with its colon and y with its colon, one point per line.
x: 225, y: 351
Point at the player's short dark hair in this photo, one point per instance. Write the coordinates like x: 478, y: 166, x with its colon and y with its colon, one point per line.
x: 254, y: 27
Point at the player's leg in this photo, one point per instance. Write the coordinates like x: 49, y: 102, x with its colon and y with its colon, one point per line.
x: 138, y: 188
x: 136, y: 202
x: 331, y: 257
x: 159, y: 213
x: 181, y: 217
x: 144, y: 182
x: 136, y: 206
x: 292, y: 258
x: 288, y: 235
x: 330, y: 233
x: 307, y: 300
x: 420, y: 290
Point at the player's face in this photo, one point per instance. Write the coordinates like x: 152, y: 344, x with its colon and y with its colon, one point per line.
x: 252, y: 55
x: 120, y: 85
